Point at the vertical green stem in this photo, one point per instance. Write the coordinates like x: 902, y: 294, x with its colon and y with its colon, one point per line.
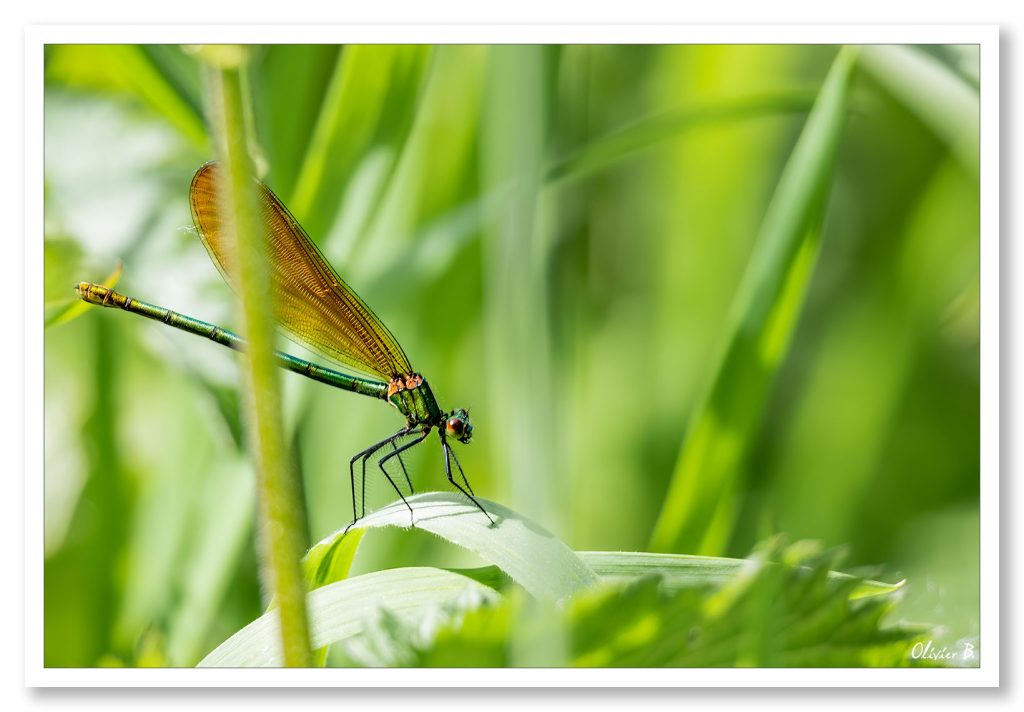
x: 280, y: 512
x: 516, y: 252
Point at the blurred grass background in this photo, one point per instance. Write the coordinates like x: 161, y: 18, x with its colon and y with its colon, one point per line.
x: 556, y: 235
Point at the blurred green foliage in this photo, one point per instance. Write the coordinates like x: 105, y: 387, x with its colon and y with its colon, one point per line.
x: 557, y: 236
x: 782, y: 606
x: 780, y: 615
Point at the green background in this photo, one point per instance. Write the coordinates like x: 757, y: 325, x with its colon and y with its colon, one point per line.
x: 555, y: 235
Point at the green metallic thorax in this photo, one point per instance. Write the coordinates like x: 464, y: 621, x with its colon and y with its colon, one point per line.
x: 418, y: 405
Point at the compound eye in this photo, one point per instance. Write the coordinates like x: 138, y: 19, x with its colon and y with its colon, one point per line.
x: 456, y: 427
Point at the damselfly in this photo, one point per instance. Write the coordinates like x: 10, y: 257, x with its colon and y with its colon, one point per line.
x: 321, y: 311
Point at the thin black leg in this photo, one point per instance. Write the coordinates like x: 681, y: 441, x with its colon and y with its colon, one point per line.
x: 461, y: 473
x: 448, y: 456
x: 368, y: 452
x: 397, y: 453
x: 367, y: 455
x: 402, y: 464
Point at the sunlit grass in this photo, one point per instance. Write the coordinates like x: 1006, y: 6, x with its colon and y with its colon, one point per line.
x: 700, y: 505
x: 612, y: 255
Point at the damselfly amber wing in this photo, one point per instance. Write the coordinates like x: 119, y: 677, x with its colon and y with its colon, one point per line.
x: 313, y: 303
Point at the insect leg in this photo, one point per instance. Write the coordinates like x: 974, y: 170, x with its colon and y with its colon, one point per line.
x: 397, y: 453
x: 461, y: 473
x: 368, y: 452
x: 449, y: 455
x: 401, y: 463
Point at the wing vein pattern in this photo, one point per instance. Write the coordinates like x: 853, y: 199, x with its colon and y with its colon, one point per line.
x: 313, y: 303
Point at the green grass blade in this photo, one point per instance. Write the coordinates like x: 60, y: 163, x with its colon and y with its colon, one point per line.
x: 937, y: 95
x: 287, y: 110
x: 699, y: 506
x: 330, y: 559
x: 370, y: 100
x: 217, y: 538
x: 435, y: 245
x: 678, y: 571
x: 687, y: 571
x: 647, y: 133
x: 76, y: 307
x: 180, y: 71
x: 531, y: 556
x: 126, y: 69
x: 421, y: 186
x: 343, y: 610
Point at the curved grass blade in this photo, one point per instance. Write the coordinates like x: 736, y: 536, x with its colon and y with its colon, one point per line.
x: 210, y: 557
x: 940, y: 98
x: 678, y: 571
x: 341, y: 611
x: 330, y: 559
x: 686, y: 571
x: 288, y: 109
x: 127, y: 69
x: 699, y: 507
x: 432, y: 248
x: 370, y: 99
x: 530, y: 555
x: 77, y: 307
x: 179, y: 71
x: 619, y: 145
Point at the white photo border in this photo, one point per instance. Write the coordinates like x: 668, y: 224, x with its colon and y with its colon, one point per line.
x: 986, y: 36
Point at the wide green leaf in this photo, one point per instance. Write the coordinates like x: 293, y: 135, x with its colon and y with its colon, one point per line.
x: 779, y: 606
x: 343, y: 610
x: 530, y: 555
